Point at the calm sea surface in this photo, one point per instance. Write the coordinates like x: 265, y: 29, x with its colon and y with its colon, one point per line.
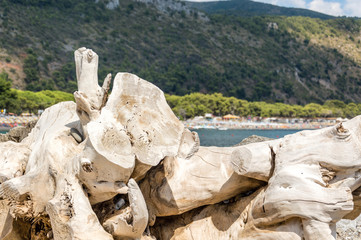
x: 226, y: 138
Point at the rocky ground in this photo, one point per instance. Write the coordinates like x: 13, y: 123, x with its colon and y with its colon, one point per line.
x: 349, y: 230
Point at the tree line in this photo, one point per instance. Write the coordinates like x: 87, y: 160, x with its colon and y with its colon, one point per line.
x: 18, y: 101
x: 198, y: 104
x: 187, y: 106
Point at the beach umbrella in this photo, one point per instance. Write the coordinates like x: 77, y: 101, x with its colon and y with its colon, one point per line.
x: 230, y: 116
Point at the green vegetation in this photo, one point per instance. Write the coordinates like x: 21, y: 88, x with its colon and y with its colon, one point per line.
x: 188, y: 106
x: 18, y: 101
x: 295, y: 60
x: 267, y: 60
x: 197, y: 104
x: 28, y: 101
x: 7, y: 95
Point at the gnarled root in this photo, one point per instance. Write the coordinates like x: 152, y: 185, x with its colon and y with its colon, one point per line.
x: 6, y: 220
x: 132, y: 222
x: 314, y: 230
x: 71, y: 214
x: 13, y: 160
x: 27, y: 187
x: 91, y: 97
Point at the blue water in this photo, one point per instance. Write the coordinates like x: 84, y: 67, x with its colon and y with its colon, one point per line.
x: 2, y: 132
x: 227, y: 138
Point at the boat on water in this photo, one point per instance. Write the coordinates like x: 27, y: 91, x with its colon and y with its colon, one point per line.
x: 202, y: 127
x: 209, y: 127
x: 222, y: 128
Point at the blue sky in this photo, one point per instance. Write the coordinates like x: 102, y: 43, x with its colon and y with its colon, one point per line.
x: 351, y: 8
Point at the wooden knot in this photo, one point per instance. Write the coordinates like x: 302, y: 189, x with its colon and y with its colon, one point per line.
x: 341, y: 129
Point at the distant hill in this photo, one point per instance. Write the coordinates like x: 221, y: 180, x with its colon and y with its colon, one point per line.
x: 247, y: 8
x: 181, y: 50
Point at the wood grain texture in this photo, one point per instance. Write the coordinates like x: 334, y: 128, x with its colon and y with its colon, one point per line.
x: 124, y: 167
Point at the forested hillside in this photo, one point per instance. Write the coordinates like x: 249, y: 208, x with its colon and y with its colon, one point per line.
x: 271, y: 58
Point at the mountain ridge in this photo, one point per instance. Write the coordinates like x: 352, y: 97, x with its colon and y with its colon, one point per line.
x: 248, y: 8
x: 270, y: 58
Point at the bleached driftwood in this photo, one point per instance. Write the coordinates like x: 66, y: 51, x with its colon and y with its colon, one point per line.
x: 108, y: 167
x: 208, y: 173
x: 308, y: 190
x: 90, y: 97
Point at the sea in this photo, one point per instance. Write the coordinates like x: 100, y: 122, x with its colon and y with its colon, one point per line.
x: 230, y: 137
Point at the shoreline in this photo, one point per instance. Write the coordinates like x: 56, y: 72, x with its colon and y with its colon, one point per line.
x: 253, y: 129
x: 217, y: 125
x: 255, y: 125
x: 223, y: 128
x: 3, y: 129
x: 6, y: 129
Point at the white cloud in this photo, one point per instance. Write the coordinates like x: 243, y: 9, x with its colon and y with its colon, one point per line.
x: 352, y: 8
x: 331, y: 8
x: 204, y: 0
x: 285, y: 3
x: 297, y: 3
x: 265, y: 1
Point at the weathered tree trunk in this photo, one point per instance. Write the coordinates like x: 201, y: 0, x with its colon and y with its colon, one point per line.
x: 119, y: 166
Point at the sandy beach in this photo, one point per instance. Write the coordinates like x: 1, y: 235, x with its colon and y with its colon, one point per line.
x: 258, y: 123
x: 8, y: 122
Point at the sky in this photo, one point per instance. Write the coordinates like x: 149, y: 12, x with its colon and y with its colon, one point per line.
x: 350, y: 8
